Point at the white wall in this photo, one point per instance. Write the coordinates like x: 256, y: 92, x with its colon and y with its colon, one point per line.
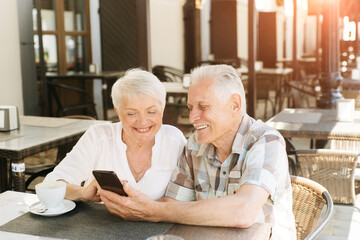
x: 205, y: 30
x: 96, y: 53
x: 167, y: 33
x: 10, y: 69
x: 242, y: 29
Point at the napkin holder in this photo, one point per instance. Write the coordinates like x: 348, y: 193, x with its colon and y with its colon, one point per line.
x: 9, y: 118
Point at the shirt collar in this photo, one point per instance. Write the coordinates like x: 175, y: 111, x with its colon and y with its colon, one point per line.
x: 208, y: 150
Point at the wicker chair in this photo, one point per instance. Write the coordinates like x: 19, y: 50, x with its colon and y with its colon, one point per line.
x: 309, y: 199
x: 334, y: 169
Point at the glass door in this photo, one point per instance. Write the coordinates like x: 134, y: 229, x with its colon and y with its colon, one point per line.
x: 65, y: 34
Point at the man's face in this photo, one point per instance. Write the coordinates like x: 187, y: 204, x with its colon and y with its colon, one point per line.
x: 211, y: 119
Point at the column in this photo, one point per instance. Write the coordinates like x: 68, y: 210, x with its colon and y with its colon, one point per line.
x: 330, y: 78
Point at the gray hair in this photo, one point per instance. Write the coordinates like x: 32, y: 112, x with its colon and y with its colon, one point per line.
x: 135, y: 83
x: 227, y: 82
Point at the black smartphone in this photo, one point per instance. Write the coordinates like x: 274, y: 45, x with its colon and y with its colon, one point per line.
x: 108, y: 180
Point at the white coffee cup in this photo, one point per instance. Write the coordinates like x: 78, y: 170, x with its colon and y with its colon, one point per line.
x: 51, y: 194
x: 345, y: 109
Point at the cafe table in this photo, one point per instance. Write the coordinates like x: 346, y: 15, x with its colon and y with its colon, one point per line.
x: 104, y: 77
x: 93, y: 221
x: 315, y: 124
x: 35, y: 134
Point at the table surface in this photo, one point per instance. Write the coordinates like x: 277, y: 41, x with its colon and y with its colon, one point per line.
x: 35, y: 131
x: 36, y: 134
x: 315, y: 124
x: 12, y: 205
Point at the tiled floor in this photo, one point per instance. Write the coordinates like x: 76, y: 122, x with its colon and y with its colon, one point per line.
x: 344, y: 224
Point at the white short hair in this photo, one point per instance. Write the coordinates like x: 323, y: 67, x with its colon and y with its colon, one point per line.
x: 227, y: 82
x: 136, y: 83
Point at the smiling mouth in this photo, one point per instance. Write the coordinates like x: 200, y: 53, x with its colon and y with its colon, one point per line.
x: 143, y: 130
x: 201, y: 127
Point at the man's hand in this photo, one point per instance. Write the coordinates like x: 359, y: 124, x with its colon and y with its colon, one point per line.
x: 137, y: 206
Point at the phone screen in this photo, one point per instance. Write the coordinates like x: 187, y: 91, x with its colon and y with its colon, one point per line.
x: 108, y: 180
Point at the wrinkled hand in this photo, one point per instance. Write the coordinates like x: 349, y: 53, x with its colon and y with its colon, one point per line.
x: 137, y: 206
x: 90, y: 193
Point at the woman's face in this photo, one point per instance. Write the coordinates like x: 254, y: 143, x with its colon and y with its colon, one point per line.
x: 141, y: 119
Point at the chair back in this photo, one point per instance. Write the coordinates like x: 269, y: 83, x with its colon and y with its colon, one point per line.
x: 168, y: 74
x: 345, y: 144
x: 264, y: 85
x: 333, y: 169
x: 302, y: 93
x: 84, y: 102
x: 309, y: 199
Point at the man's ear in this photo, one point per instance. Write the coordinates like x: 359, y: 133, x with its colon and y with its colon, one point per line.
x: 235, y: 101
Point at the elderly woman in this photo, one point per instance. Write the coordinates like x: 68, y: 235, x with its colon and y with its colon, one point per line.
x: 138, y: 149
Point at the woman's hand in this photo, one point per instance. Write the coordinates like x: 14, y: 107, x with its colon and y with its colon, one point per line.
x: 85, y: 194
x: 90, y: 193
x: 137, y: 206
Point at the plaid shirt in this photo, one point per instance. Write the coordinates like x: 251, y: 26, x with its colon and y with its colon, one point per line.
x: 258, y: 157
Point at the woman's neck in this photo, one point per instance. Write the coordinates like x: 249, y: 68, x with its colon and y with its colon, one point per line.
x: 137, y: 146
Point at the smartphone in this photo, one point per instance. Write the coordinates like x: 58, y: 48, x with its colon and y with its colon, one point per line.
x: 108, y: 180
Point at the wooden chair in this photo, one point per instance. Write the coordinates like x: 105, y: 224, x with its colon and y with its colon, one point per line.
x: 309, y: 199
x: 263, y: 87
x: 168, y: 74
x: 85, y: 103
x: 176, y: 110
x: 333, y: 169
x: 300, y: 92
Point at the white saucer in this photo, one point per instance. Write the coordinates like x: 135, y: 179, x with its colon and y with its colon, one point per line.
x: 68, y: 205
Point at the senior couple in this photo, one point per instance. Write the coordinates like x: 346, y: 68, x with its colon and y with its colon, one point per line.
x: 235, y: 165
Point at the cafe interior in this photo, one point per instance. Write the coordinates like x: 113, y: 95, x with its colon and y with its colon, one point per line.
x: 299, y: 61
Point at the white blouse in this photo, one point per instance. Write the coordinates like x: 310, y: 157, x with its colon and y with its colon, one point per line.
x: 101, y: 148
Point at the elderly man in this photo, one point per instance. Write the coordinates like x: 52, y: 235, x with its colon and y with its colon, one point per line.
x: 236, y: 165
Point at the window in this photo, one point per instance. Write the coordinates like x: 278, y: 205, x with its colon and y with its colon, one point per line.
x: 65, y: 33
